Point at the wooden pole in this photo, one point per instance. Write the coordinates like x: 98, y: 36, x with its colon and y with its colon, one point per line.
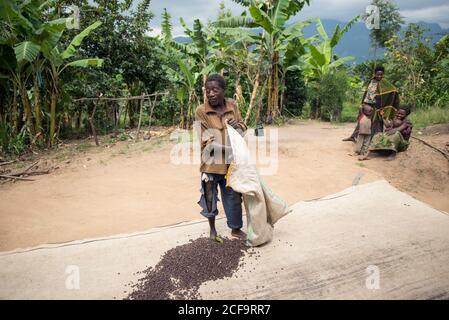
x: 151, y: 113
x: 8, y: 162
x: 91, y: 121
x: 124, y: 98
x: 14, y: 178
x: 142, y: 100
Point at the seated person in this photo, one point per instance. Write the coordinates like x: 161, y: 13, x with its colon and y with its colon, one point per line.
x: 396, y: 136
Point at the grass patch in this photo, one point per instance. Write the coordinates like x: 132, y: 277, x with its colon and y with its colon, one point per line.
x: 428, y: 116
x: 349, y: 112
x: 61, y: 156
x: 84, y: 146
x: 20, y: 165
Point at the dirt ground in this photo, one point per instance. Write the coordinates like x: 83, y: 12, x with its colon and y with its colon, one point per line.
x: 123, y: 187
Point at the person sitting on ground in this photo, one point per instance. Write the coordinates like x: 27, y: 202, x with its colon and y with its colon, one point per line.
x: 396, y: 136
x: 364, y: 132
x: 211, y: 120
x: 383, y: 97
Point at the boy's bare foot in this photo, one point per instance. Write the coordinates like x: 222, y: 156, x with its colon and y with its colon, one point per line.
x: 213, y: 234
x: 391, y: 157
x: 237, y: 233
x: 364, y: 157
x: 349, y: 139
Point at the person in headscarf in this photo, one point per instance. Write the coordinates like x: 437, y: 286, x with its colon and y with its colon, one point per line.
x: 383, y: 97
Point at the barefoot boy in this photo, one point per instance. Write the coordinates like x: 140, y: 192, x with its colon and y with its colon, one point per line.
x: 213, y: 117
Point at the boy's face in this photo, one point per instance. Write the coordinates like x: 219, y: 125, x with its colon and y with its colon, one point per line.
x: 401, y: 114
x: 214, y: 93
x: 367, y: 110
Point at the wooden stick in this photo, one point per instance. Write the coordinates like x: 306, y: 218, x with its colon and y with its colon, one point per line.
x: 433, y: 147
x: 152, y: 105
x: 8, y: 162
x: 15, y: 178
x: 34, y: 173
x: 28, y: 169
x: 125, y: 98
x: 142, y: 100
x: 91, y: 121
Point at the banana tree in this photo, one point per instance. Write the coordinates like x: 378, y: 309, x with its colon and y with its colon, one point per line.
x: 199, y: 62
x: 57, y: 63
x: 20, y: 21
x: 35, y: 47
x: 186, y: 92
x: 272, y: 17
x: 319, y: 60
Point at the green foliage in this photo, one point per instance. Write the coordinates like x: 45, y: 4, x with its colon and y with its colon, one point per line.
x: 365, y: 70
x: 295, y: 93
x: 349, y: 112
x: 418, y: 69
x: 45, y: 67
x: 26, y: 51
x: 70, y: 51
x: 328, y: 94
x: 320, y: 60
x: 10, y: 143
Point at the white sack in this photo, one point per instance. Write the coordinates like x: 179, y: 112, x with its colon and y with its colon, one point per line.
x: 263, y: 206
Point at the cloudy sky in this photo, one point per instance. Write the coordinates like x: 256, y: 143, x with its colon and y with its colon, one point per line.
x: 436, y: 11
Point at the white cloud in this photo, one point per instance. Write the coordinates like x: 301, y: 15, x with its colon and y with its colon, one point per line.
x: 436, y: 11
x: 155, y: 32
x: 438, y: 14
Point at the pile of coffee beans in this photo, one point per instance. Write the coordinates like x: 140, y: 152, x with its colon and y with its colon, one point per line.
x: 184, y: 268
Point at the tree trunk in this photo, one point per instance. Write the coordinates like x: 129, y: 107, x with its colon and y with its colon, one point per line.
x: 54, y: 101
x: 275, y: 97
x: 142, y: 100
x: 281, y: 104
x: 15, y: 127
x: 189, y: 107
x: 182, y: 118
x: 269, y: 94
x: 117, y: 115
x: 37, y: 109
x: 27, y: 109
x: 253, y: 97
x: 238, y: 96
x: 152, y: 106
x: 126, y: 113
x: 92, y: 125
x: 204, y: 88
x: 78, y: 120
x: 131, y: 112
x: 256, y: 85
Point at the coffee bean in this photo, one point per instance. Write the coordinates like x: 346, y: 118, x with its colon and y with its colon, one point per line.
x: 183, y: 269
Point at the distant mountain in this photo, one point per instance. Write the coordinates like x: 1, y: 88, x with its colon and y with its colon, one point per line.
x: 183, y: 39
x: 356, y: 41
